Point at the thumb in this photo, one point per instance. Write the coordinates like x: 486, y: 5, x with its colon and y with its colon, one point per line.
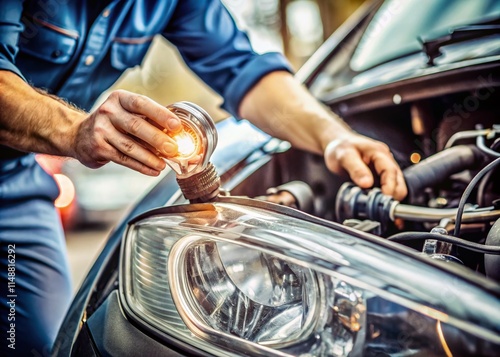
x: 340, y: 156
x: 363, y: 180
x: 357, y: 169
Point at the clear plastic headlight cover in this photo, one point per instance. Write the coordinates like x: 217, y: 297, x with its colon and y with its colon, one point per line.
x: 245, y: 277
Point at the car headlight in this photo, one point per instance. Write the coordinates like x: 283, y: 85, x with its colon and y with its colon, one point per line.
x: 248, y: 277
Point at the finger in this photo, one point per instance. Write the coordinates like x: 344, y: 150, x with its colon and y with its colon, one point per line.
x: 133, y: 150
x: 124, y: 160
x: 351, y: 160
x: 153, y: 149
x: 195, y: 159
x: 141, y: 129
x: 142, y: 105
x: 387, y: 169
x: 401, y: 190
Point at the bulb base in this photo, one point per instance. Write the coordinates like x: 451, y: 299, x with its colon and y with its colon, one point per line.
x: 201, y: 187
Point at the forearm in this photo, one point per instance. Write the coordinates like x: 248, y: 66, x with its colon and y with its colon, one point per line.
x: 283, y: 108
x: 280, y: 106
x: 33, y: 121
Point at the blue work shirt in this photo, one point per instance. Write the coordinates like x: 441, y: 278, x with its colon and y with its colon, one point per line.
x: 74, y: 50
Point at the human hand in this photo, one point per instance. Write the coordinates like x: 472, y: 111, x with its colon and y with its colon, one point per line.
x: 127, y: 129
x: 354, y: 153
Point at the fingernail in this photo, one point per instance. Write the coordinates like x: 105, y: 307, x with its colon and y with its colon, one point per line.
x: 174, y: 125
x: 161, y: 165
x: 169, y: 149
x: 364, y: 181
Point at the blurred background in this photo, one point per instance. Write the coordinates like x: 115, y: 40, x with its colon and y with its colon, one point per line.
x: 92, y: 200
x: 293, y: 27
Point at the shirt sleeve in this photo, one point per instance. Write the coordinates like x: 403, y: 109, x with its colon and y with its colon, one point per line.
x: 10, y: 28
x: 218, y: 52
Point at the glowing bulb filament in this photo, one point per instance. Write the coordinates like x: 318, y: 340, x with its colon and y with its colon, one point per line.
x: 185, y: 143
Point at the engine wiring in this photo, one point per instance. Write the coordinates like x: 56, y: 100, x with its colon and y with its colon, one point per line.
x: 476, y: 247
x: 491, y: 151
x: 496, y: 144
x: 481, y: 188
x: 470, y: 134
x: 470, y: 187
x: 481, y: 144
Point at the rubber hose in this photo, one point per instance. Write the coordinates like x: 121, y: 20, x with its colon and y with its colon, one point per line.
x: 437, y: 168
x: 475, y: 247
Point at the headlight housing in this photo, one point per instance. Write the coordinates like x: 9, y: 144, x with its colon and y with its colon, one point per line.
x: 248, y: 277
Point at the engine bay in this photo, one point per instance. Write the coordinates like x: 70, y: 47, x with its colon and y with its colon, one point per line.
x: 448, y: 148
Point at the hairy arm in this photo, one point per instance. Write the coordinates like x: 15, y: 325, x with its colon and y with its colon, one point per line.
x: 279, y: 105
x: 124, y: 129
x: 24, y: 118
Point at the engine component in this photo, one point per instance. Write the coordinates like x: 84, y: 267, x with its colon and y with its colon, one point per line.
x: 470, y: 134
x: 480, y: 141
x: 437, y: 168
x: 468, y: 190
x: 472, y: 246
x: 354, y: 202
x: 296, y: 194
x: 439, y: 250
x: 492, y: 262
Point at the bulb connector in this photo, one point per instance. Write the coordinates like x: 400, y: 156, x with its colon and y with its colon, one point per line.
x: 195, y: 174
x: 201, y: 187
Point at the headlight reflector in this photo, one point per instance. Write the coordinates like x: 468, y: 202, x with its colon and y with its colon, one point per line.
x: 247, y: 293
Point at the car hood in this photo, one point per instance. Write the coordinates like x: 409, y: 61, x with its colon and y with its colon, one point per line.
x: 454, y: 57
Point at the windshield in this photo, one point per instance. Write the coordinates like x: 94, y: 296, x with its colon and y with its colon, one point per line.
x: 395, y: 29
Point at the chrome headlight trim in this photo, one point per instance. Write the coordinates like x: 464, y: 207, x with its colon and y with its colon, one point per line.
x: 362, y: 260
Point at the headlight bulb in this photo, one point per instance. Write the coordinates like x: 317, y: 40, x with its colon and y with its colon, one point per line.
x: 195, y: 173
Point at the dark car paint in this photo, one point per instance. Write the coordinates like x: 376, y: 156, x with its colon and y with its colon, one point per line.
x: 409, y: 83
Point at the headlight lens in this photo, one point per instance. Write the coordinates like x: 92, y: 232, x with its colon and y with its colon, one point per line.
x: 229, y: 278
x: 247, y: 293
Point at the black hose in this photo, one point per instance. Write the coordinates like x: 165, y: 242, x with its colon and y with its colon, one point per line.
x: 439, y: 167
x: 496, y: 144
x: 492, y: 151
x: 475, y: 247
x: 481, y: 189
x: 467, y: 192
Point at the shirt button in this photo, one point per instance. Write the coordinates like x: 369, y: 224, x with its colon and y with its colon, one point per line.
x: 105, y: 13
x: 56, y: 54
x: 89, y: 60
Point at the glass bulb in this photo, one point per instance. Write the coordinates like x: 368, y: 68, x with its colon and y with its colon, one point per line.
x: 196, y: 142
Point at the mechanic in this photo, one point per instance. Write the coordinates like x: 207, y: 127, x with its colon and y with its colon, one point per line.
x: 57, y: 52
